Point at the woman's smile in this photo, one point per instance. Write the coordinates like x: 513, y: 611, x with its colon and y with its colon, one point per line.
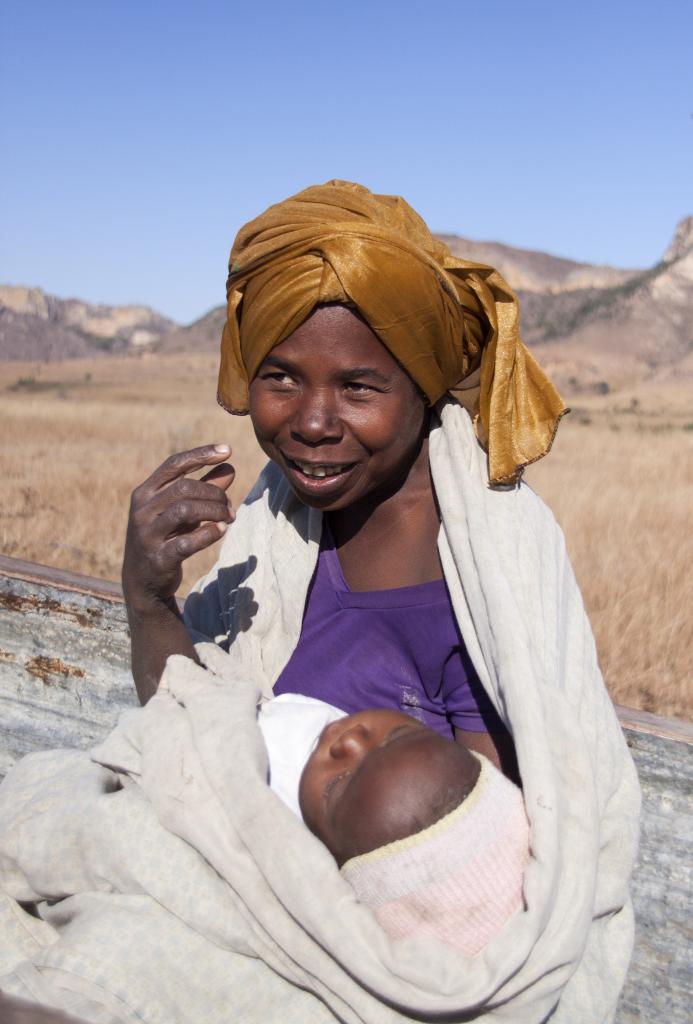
x: 317, y: 479
x: 317, y: 470
x: 320, y: 470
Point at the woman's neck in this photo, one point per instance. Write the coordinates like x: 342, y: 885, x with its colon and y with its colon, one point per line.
x: 390, y: 540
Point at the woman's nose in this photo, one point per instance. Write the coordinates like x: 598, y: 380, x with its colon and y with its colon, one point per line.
x: 352, y: 744
x: 316, y: 419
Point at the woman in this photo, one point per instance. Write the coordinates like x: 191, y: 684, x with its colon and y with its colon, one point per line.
x: 326, y: 396
x: 348, y: 325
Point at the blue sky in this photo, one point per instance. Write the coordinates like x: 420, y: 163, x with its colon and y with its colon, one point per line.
x: 139, y: 135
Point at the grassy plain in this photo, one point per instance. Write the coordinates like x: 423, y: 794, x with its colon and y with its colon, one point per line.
x: 77, y: 437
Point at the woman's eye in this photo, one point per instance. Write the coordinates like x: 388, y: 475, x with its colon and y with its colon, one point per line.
x: 357, y: 388
x: 279, y: 378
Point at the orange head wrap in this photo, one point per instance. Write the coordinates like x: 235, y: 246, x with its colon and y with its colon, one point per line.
x: 439, y: 316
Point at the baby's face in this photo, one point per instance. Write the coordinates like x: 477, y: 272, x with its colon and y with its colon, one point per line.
x: 371, y: 778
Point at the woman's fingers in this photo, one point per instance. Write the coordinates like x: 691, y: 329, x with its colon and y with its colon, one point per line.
x: 176, y: 466
x: 188, y: 513
x: 178, y: 548
x: 220, y: 476
x: 186, y: 489
x: 171, y: 517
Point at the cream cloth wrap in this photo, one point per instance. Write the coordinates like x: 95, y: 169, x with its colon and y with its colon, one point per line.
x: 198, y: 897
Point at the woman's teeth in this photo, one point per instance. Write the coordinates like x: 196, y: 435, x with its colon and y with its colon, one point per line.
x: 320, y: 471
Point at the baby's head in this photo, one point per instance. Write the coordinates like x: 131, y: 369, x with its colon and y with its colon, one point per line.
x: 432, y: 838
x: 378, y: 776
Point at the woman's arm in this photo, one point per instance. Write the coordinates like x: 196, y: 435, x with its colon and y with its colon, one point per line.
x: 497, y: 747
x: 171, y: 517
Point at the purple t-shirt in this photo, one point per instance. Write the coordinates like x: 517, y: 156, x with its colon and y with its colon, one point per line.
x: 397, y: 649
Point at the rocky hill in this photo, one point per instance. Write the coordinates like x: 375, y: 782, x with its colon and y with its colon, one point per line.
x: 201, y: 335
x: 642, y: 327
x: 36, y: 326
x: 531, y: 271
x: 593, y: 327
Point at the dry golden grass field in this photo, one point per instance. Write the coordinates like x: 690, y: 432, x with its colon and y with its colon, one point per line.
x: 77, y: 437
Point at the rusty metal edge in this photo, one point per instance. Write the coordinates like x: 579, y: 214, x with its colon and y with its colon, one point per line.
x: 634, y: 720
x: 630, y: 718
x: 48, y: 575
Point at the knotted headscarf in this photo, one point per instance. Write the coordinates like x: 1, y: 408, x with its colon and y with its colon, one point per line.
x: 442, y: 318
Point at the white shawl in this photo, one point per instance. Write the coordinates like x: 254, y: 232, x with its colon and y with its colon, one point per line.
x: 198, y: 858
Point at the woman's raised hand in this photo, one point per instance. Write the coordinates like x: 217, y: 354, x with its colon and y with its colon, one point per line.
x: 171, y: 517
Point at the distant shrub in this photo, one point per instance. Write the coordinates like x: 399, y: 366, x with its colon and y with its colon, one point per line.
x: 99, y: 343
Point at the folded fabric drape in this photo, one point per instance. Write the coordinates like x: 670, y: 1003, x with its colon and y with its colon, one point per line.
x: 172, y: 884
x: 441, y: 317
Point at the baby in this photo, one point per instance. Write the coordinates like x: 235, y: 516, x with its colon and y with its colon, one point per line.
x: 379, y: 776
x: 430, y: 836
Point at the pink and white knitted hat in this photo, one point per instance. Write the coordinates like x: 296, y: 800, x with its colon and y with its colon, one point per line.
x: 458, y: 881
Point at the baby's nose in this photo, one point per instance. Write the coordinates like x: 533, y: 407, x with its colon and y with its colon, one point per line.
x: 352, y: 744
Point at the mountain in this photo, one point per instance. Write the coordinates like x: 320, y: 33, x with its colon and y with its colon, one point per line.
x: 531, y: 271
x: 201, y: 335
x: 592, y: 327
x: 610, y: 336
x: 535, y: 272
x: 37, y: 326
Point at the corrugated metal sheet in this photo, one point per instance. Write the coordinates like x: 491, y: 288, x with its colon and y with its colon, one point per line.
x: 64, y: 661
x: 65, y: 677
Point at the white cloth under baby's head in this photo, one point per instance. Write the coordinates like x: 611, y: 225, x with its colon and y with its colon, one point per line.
x: 291, y: 725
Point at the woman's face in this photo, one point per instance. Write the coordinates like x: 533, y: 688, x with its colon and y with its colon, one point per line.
x: 333, y: 408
